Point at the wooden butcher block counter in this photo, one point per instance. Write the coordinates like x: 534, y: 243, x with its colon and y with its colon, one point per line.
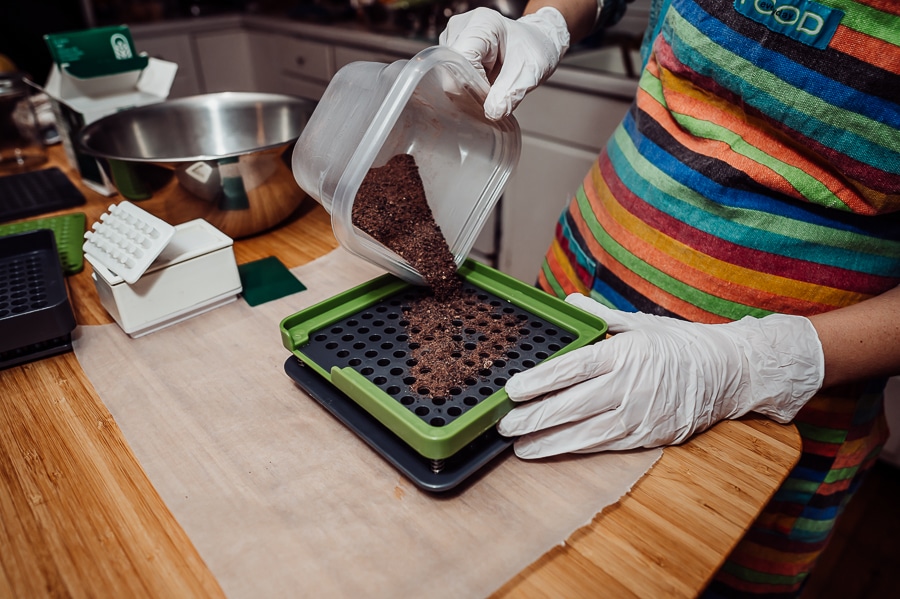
x: 80, y: 517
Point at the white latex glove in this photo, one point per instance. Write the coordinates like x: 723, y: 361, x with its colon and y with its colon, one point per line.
x: 659, y: 380
x: 526, y: 51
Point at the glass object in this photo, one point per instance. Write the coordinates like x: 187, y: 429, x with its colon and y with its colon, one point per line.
x: 21, y: 146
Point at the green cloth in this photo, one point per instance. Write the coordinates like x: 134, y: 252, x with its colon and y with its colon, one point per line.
x: 266, y: 280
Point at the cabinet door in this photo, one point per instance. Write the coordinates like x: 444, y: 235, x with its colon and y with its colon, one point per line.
x: 562, y: 134
x: 573, y: 117
x: 288, y: 65
x: 304, y: 58
x: 177, y: 49
x: 547, y: 177
x: 225, y: 60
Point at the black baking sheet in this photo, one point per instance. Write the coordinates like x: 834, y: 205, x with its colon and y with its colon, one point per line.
x: 38, y: 192
x: 459, y: 468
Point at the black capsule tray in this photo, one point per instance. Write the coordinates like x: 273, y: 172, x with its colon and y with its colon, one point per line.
x: 357, y: 341
x: 36, y: 318
x: 426, y: 474
x: 68, y: 230
x: 37, y: 192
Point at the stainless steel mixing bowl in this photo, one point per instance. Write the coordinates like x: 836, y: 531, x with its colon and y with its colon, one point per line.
x: 224, y: 157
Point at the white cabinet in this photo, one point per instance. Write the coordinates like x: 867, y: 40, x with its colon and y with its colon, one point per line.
x: 176, y: 48
x: 239, y: 58
x: 290, y: 65
x: 546, y: 179
x: 304, y: 58
x: 578, y: 118
x: 225, y: 60
x: 562, y: 134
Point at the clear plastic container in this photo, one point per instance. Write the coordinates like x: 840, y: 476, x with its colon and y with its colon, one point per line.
x: 431, y: 107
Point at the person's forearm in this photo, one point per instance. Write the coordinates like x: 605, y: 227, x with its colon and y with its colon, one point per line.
x: 861, y: 341
x: 579, y: 14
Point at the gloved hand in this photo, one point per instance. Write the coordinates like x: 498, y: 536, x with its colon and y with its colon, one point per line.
x: 515, y: 56
x: 658, y: 380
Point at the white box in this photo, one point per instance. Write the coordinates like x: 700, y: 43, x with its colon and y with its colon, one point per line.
x: 195, y: 273
x: 97, y: 72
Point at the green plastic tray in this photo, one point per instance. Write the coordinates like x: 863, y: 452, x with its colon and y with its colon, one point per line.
x: 68, y: 230
x: 357, y: 341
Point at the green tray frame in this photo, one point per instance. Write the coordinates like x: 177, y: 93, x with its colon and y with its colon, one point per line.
x: 68, y: 230
x: 434, y: 442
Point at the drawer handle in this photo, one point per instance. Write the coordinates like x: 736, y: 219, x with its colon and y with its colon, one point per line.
x: 300, y: 61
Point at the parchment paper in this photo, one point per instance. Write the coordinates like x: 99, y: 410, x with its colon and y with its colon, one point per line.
x: 281, y: 500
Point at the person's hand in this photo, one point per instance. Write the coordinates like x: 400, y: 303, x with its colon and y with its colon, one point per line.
x: 659, y: 380
x: 515, y: 56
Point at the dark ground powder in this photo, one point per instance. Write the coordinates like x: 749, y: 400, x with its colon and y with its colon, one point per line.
x: 392, y: 208
x: 455, y: 342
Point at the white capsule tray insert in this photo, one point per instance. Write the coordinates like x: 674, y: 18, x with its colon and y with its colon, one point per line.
x: 127, y: 240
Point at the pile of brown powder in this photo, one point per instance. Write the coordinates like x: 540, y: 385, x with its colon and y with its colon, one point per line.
x: 392, y: 208
x: 455, y: 342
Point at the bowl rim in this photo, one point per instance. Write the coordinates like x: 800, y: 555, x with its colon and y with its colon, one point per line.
x: 83, y: 136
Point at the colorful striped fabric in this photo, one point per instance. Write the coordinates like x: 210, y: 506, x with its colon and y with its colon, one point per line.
x: 758, y: 171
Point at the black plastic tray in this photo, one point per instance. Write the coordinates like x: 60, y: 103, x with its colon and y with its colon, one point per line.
x: 453, y: 472
x: 357, y: 341
x: 36, y: 318
x: 37, y: 192
x: 69, y: 232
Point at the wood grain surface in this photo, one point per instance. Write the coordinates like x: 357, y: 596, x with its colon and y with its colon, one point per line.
x: 80, y: 518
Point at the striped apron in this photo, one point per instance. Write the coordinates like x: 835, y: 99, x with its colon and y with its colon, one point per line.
x: 757, y: 171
